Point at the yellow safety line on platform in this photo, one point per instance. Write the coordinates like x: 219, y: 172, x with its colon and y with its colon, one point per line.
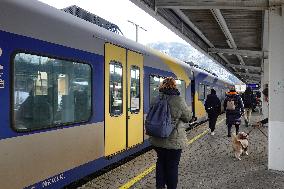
x: 202, y: 134
x: 150, y: 169
x: 138, y: 178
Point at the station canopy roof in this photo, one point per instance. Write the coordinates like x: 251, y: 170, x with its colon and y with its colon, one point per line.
x: 233, y: 32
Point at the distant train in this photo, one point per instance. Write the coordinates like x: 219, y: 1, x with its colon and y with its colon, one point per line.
x: 73, y: 96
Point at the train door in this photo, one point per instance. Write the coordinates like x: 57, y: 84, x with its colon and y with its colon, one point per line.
x: 135, y: 98
x: 192, y: 97
x: 115, y: 99
x: 123, y: 99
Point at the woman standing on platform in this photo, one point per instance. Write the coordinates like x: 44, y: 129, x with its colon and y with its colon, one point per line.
x: 265, y: 93
x: 169, y: 149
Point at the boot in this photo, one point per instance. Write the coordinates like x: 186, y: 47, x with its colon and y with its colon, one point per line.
x: 246, y: 123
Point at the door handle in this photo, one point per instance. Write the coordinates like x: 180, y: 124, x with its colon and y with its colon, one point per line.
x: 127, y: 117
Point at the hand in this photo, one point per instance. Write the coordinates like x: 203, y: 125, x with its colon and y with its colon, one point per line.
x: 258, y: 124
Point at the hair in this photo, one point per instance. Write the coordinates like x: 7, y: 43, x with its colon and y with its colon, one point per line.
x: 248, y: 90
x: 265, y: 92
x: 213, y: 91
x: 168, y: 83
x: 232, y: 88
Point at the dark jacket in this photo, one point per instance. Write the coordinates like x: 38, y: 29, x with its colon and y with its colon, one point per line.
x: 234, y: 116
x: 180, y: 114
x: 212, y: 105
x: 264, y: 121
x: 248, y: 99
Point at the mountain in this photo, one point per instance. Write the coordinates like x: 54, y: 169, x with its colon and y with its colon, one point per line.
x: 187, y: 53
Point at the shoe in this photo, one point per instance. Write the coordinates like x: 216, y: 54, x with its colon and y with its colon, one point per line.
x: 212, y: 133
x: 228, y: 135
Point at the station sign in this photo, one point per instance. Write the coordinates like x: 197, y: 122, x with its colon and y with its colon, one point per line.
x: 253, y: 85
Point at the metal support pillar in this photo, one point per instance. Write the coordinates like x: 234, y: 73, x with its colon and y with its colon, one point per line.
x: 276, y: 91
x: 264, y: 82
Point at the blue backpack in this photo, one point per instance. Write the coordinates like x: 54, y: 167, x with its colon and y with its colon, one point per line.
x: 158, y: 122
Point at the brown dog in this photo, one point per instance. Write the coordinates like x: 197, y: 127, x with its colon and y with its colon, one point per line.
x: 240, y: 144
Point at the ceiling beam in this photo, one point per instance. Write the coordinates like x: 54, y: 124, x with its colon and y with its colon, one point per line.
x: 194, y: 28
x: 245, y: 53
x: 214, y: 4
x: 245, y: 67
x: 223, y: 25
x: 249, y: 74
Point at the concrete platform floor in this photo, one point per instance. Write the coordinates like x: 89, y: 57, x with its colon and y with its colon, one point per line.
x: 207, y: 163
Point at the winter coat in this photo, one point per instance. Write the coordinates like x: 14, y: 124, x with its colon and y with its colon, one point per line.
x: 212, y: 105
x: 248, y: 99
x: 234, y: 116
x: 180, y: 114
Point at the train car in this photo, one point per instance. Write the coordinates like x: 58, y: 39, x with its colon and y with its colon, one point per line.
x: 74, y: 96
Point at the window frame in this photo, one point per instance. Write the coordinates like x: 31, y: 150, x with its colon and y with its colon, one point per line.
x: 207, y: 90
x: 111, y: 114
x: 160, y: 76
x: 184, y: 88
x: 12, y: 89
x: 136, y: 111
x: 152, y: 75
x: 199, y: 94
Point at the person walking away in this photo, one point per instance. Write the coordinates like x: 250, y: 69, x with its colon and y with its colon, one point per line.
x: 233, y: 105
x: 213, y: 109
x: 169, y: 149
x: 248, y: 100
x: 265, y: 93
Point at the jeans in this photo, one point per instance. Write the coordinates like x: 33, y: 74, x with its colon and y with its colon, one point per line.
x: 230, y: 127
x: 167, y: 167
x: 212, y: 123
x: 247, y: 114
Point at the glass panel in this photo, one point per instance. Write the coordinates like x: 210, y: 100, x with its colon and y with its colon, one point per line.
x: 155, y: 82
x: 201, y: 91
x: 181, y: 87
x: 154, y: 87
x: 50, y: 92
x: 116, y: 90
x: 208, y: 90
x: 135, y: 89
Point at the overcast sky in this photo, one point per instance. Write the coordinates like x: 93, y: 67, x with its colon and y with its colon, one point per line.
x: 119, y: 12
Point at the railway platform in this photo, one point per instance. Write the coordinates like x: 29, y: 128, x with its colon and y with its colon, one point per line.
x: 208, y: 162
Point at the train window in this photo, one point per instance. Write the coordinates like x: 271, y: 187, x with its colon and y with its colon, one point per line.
x: 218, y: 92
x: 207, y: 90
x: 135, y: 89
x: 181, y: 87
x: 154, y: 87
x: 155, y: 82
x: 116, y: 89
x: 201, y: 91
x: 50, y: 92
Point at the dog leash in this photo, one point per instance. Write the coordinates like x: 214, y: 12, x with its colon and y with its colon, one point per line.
x: 258, y: 129
x: 262, y: 132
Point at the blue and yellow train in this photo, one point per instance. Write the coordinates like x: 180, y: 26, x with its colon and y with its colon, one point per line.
x: 73, y: 94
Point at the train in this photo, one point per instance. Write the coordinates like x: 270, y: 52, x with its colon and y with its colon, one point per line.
x: 74, y: 96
